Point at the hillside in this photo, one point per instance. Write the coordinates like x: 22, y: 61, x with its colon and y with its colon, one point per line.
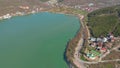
x: 93, y: 4
x: 11, y: 6
x: 104, y: 21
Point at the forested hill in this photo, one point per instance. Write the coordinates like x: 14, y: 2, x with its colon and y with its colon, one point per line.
x: 104, y: 21
x: 107, y: 10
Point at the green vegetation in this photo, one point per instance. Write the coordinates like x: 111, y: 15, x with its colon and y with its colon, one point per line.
x: 104, y: 21
x: 95, y: 53
x: 118, y: 62
x: 77, y: 11
x: 67, y: 10
x: 109, y: 66
x: 83, y: 58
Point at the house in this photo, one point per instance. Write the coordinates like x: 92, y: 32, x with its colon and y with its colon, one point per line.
x: 93, y: 44
x: 99, y: 40
x: 104, y: 39
x: 99, y: 45
x: 111, y: 37
x: 7, y: 16
x: 103, y: 50
x: 91, y: 4
x: 24, y: 7
x: 92, y: 39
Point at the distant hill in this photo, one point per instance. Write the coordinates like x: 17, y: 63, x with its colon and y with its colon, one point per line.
x: 8, y: 6
x: 96, y: 3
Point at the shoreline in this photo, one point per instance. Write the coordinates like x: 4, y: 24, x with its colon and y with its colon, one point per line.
x: 80, y: 44
x: 73, y: 63
x: 11, y: 15
x: 69, y: 62
x: 68, y: 57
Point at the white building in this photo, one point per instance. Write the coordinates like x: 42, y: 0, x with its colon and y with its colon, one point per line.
x: 7, y: 16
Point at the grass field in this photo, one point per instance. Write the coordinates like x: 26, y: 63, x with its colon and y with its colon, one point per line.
x: 102, y: 25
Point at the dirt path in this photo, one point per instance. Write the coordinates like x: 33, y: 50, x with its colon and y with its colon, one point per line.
x: 76, y: 60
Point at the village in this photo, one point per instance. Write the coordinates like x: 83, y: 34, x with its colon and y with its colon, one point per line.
x: 99, y: 47
x: 27, y: 10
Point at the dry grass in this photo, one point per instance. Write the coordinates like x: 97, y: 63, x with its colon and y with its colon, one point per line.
x: 112, y: 55
x: 105, y: 65
x: 97, y: 3
x: 11, y: 6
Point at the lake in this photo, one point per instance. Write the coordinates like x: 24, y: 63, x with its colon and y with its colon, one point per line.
x: 37, y: 40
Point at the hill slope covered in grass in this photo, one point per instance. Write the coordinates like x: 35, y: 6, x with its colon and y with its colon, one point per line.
x: 104, y: 21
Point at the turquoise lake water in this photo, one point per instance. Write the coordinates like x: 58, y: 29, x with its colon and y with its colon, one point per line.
x: 36, y: 41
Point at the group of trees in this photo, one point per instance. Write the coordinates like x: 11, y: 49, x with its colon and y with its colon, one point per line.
x: 104, y: 21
